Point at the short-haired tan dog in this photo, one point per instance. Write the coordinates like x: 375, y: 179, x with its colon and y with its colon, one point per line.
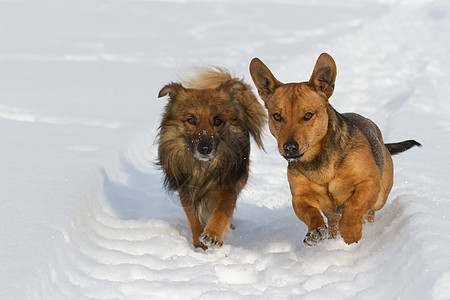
x: 338, y: 163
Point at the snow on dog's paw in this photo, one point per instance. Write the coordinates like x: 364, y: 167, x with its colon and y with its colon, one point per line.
x: 315, y: 236
x: 211, y: 240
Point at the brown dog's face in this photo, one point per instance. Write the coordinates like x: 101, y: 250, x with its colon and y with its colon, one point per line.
x: 201, y: 116
x: 298, y: 115
x: 202, y: 125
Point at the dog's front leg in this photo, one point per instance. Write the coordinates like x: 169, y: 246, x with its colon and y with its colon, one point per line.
x: 365, y: 196
x: 224, y: 202
x: 194, y: 223
x: 333, y: 223
x: 308, y: 212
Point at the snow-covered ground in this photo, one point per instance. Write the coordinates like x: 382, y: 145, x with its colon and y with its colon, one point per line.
x: 82, y: 211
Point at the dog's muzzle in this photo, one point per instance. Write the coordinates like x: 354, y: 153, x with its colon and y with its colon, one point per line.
x: 292, y: 151
x: 204, y: 151
x: 202, y: 148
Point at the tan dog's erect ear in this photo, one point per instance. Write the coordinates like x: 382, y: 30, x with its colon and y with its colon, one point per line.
x: 232, y: 86
x: 262, y: 77
x: 324, y: 75
x: 171, y: 89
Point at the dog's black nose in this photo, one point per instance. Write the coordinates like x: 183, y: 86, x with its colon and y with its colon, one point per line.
x: 205, y: 148
x: 290, y: 148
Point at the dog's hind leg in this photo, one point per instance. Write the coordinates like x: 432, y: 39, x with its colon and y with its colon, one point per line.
x: 387, y: 181
x: 194, y: 224
x: 369, y: 217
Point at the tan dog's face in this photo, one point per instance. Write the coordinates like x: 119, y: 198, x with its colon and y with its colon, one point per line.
x: 298, y: 116
x: 297, y: 119
x: 201, y: 116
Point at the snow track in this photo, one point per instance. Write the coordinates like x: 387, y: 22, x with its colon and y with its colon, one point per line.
x: 120, y: 247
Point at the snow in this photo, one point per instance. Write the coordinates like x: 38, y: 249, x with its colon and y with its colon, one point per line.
x: 83, y: 214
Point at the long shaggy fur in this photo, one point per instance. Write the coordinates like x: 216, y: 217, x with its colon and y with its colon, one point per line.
x: 190, y: 119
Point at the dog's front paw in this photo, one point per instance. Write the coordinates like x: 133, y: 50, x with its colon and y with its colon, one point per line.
x: 315, y: 236
x: 200, y: 245
x: 211, y: 240
x: 350, y: 239
x: 351, y: 233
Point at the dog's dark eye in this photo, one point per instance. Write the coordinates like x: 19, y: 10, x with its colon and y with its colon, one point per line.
x: 277, y: 117
x: 308, y: 116
x: 217, y: 122
x: 191, y: 121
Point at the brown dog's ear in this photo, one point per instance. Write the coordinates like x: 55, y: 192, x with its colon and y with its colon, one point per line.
x: 262, y: 77
x: 232, y: 86
x: 171, y: 89
x: 324, y: 75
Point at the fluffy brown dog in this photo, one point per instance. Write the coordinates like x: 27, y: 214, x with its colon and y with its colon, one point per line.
x: 204, y: 148
x: 338, y: 163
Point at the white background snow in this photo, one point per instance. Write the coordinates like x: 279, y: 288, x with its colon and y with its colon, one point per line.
x: 82, y: 211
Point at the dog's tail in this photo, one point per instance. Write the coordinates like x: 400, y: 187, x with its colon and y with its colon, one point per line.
x: 213, y: 77
x: 395, y: 148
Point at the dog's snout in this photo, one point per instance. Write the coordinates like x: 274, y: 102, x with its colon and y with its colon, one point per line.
x: 205, y: 148
x: 202, y: 149
x: 291, y: 148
